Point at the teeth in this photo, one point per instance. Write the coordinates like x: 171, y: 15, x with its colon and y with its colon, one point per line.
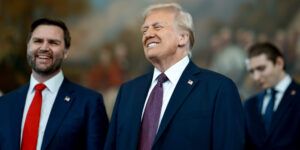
x: 152, y: 45
x: 43, y: 57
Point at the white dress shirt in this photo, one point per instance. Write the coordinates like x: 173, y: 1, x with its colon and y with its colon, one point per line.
x: 49, y: 95
x: 173, y: 74
x: 280, y: 88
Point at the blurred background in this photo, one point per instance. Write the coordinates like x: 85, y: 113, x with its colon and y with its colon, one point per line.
x: 106, y: 48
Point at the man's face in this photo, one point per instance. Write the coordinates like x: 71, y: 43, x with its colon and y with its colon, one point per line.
x: 46, y: 49
x: 264, y: 72
x: 160, y: 35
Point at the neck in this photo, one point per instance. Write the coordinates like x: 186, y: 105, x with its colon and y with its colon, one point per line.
x: 280, y: 77
x: 41, y: 78
x: 164, y: 64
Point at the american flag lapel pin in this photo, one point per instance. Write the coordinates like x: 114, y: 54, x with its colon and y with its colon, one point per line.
x: 67, y: 98
x: 190, y: 82
x: 293, y: 92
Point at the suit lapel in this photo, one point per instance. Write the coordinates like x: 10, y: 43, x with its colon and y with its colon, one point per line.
x: 257, y: 123
x: 63, y: 101
x: 138, y: 105
x: 182, y: 89
x: 17, y: 114
x: 258, y: 116
x: 285, y: 104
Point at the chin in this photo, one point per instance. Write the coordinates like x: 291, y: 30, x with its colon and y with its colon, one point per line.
x: 149, y: 58
x: 150, y: 55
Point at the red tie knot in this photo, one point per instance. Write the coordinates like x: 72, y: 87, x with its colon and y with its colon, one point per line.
x: 40, y: 87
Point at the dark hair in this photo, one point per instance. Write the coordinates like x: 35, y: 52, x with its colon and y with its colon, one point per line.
x: 54, y: 22
x: 269, y: 49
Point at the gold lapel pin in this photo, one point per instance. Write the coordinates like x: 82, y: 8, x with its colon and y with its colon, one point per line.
x: 190, y: 82
x: 67, y: 98
x: 293, y: 92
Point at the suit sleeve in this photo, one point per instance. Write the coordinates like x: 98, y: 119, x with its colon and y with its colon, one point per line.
x: 97, y: 125
x: 110, y: 143
x: 228, y: 119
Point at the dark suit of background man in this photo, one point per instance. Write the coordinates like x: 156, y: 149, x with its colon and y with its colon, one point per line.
x: 71, y: 117
x: 273, y: 121
x: 200, y: 109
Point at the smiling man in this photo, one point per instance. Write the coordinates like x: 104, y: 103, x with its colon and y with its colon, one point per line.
x: 273, y: 115
x: 51, y: 112
x: 177, y: 105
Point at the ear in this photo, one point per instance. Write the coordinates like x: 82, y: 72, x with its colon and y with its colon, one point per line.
x: 280, y: 62
x: 183, y: 39
x: 66, y: 53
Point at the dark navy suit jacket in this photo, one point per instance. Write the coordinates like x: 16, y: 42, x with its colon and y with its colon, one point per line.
x: 80, y: 123
x: 205, y: 115
x: 285, y: 126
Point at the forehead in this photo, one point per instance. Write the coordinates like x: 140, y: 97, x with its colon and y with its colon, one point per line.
x: 48, y: 31
x: 259, y: 60
x: 159, y: 16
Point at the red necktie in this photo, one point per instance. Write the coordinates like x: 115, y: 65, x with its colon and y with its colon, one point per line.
x: 151, y: 115
x: 31, y: 127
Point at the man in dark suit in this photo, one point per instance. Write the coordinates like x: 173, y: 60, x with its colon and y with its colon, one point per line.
x: 273, y: 116
x: 178, y: 105
x: 51, y: 112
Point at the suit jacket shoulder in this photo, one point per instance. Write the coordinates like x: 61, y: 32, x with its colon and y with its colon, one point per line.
x: 81, y: 89
x: 21, y: 90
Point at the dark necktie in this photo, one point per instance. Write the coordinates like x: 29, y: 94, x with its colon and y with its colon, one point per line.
x: 31, y: 126
x: 269, y: 110
x: 151, y: 114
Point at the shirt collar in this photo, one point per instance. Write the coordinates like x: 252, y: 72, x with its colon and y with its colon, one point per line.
x: 174, y: 72
x: 52, y: 84
x: 283, y: 84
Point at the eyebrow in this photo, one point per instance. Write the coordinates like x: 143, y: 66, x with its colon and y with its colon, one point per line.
x: 259, y: 68
x: 153, y: 24
x: 47, y: 39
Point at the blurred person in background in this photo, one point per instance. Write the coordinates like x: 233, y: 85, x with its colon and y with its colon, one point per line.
x: 273, y: 115
x: 229, y: 60
x: 108, y: 73
x: 51, y: 112
x: 177, y: 105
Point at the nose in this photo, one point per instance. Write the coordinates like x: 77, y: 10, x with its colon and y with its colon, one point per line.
x: 45, y: 46
x: 256, y: 75
x: 148, y: 33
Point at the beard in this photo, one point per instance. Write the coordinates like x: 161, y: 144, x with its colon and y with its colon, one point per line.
x: 54, y: 67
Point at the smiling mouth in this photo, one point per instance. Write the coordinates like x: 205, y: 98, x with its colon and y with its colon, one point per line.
x: 151, y: 44
x: 43, y: 58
